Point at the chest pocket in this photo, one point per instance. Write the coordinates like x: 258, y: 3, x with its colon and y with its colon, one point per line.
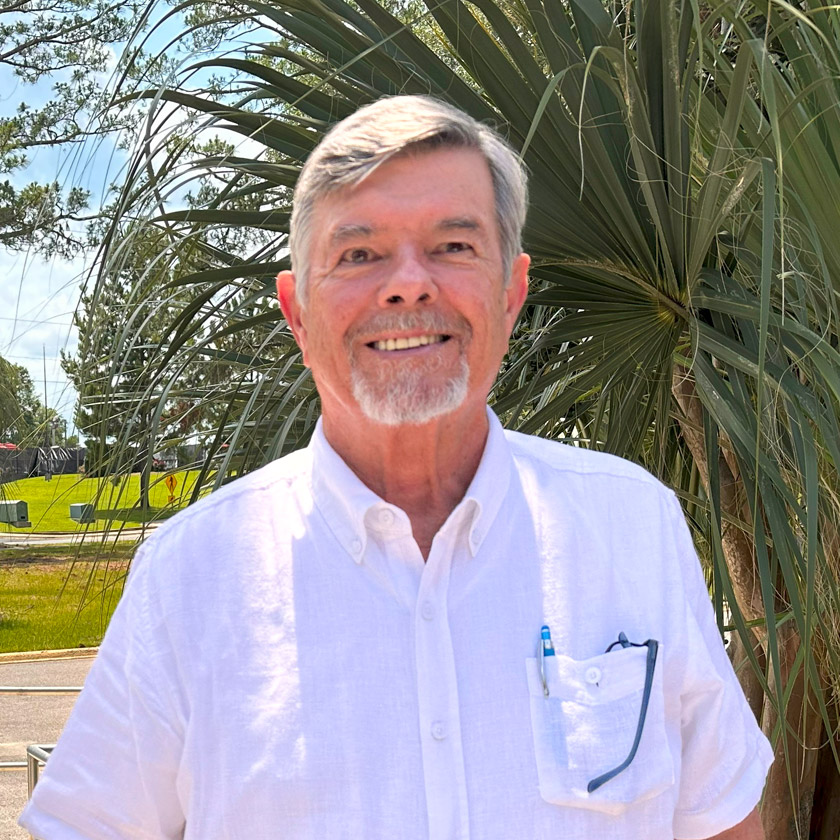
x: 586, y: 727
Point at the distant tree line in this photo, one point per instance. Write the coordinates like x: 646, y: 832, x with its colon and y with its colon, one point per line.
x: 23, y: 419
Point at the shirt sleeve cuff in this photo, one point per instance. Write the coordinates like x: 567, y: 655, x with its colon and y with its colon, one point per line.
x: 44, y: 826
x: 41, y: 825
x: 734, y: 804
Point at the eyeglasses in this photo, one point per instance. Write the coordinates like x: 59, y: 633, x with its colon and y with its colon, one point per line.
x: 653, y: 647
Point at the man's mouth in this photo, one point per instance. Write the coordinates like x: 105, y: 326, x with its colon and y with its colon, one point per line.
x: 401, y: 343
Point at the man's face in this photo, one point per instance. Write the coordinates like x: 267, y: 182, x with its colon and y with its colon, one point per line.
x: 407, y: 314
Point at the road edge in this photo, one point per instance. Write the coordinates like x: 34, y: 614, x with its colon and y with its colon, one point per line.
x: 38, y: 655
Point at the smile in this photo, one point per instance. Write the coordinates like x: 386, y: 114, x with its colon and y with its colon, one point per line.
x: 389, y: 344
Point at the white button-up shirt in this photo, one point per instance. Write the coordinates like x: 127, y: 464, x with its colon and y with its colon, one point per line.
x: 283, y: 664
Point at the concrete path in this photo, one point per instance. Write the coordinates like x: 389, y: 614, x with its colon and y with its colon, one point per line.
x: 31, y: 719
x: 22, y: 539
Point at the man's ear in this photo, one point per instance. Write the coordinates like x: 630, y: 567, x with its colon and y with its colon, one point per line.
x: 290, y: 305
x: 517, y: 289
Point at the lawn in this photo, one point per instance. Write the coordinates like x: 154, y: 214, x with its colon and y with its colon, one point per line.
x: 61, y: 596
x: 115, y: 502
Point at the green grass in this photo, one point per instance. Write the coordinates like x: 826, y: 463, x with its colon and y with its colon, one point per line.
x: 60, y: 596
x: 115, y: 502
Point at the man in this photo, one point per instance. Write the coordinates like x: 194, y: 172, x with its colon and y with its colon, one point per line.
x: 421, y: 626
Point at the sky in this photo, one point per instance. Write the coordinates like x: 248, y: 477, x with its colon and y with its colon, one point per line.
x: 39, y: 296
x: 36, y: 323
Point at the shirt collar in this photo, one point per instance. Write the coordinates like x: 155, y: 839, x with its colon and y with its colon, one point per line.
x: 490, y: 483
x: 339, y: 494
x: 344, y: 500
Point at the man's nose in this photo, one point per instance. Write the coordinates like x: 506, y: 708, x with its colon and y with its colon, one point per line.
x: 410, y: 282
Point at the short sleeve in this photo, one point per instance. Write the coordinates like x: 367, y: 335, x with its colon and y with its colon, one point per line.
x: 113, y: 773
x: 725, y: 756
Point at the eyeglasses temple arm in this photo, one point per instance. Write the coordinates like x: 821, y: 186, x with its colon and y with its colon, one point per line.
x: 652, y: 646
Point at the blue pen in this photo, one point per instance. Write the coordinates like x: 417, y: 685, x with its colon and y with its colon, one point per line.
x: 546, y: 649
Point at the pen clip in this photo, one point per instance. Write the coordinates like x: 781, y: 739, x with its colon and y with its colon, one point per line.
x: 546, y: 648
x: 541, y: 654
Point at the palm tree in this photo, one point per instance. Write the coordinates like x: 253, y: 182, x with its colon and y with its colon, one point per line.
x: 685, y: 172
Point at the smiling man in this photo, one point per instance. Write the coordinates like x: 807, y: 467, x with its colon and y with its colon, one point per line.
x: 420, y: 626
x: 409, y: 305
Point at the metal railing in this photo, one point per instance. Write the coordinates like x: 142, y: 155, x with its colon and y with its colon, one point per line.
x: 36, y: 758
x: 44, y: 748
x: 12, y: 765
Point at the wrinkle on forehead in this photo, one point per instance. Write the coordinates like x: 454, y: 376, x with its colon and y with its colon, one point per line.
x: 348, y: 231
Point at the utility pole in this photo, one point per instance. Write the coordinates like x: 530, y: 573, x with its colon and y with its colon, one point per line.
x: 46, y: 425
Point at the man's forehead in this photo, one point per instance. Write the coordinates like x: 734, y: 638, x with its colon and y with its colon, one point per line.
x: 467, y: 158
x: 343, y: 232
x: 430, y: 191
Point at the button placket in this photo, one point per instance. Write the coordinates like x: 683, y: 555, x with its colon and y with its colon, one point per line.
x: 443, y: 760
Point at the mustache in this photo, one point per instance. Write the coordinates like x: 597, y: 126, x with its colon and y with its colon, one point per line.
x: 428, y: 322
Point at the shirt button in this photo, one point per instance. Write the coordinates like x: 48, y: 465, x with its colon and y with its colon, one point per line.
x: 386, y: 516
x: 438, y: 730
x: 593, y: 675
x: 427, y: 610
x: 356, y: 547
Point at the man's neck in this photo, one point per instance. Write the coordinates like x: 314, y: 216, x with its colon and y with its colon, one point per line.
x: 424, y: 470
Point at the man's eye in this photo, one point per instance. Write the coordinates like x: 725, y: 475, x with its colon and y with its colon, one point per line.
x: 356, y: 255
x: 455, y: 247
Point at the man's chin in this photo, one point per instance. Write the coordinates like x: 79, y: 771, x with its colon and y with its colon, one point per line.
x: 414, y: 408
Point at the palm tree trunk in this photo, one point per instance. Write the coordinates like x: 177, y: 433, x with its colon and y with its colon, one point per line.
x: 750, y: 683
x: 737, y: 544
x: 789, y: 794
x: 825, y: 824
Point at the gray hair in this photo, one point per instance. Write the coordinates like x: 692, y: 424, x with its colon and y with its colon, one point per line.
x: 352, y: 149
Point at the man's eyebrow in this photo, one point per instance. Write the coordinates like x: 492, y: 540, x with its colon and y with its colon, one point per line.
x: 460, y: 223
x: 349, y: 231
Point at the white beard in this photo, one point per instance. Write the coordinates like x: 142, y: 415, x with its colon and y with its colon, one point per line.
x: 408, y: 400
x: 410, y: 396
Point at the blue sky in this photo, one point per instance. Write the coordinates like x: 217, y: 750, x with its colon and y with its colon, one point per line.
x: 39, y: 297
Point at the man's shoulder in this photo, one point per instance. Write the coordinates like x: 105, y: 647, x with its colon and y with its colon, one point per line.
x: 245, y: 499
x: 565, y: 459
x: 281, y: 475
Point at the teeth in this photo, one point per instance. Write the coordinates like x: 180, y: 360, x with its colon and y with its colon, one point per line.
x: 407, y: 343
